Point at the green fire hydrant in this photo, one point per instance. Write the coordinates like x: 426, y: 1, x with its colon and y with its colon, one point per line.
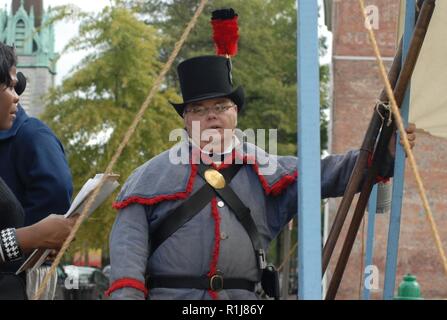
x: 409, y: 289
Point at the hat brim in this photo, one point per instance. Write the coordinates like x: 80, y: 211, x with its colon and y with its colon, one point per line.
x: 237, y: 96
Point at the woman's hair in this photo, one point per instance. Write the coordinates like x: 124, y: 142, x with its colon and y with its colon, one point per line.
x: 8, y: 59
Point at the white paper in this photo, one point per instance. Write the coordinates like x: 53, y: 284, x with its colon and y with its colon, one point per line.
x: 77, y: 206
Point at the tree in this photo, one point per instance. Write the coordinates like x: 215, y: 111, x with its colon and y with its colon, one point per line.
x: 265, y: 64
x: 94, y: 106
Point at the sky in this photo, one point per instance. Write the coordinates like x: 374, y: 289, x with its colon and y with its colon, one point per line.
x: 66, y: 30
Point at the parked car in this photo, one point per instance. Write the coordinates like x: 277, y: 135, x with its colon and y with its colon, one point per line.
x: 106, y: 271
x: 81, y: 283
x: 61, y: 292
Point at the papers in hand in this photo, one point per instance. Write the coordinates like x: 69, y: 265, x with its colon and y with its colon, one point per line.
x: 39, y: 256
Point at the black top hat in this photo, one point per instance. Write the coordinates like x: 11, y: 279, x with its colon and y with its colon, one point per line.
x: 207, y: 77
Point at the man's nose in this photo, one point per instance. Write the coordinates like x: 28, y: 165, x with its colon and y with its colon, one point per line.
x: 211, y: 113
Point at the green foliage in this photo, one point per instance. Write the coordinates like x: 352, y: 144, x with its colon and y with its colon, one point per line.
x: 127, y: 41
x: 93, y: 108
x: 265, y: 64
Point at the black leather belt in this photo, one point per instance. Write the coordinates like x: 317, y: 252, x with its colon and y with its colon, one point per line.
x: 215, y: 283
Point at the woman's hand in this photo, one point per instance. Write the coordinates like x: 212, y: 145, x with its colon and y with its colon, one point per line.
x: 49, y: 233
x: 53, y: 230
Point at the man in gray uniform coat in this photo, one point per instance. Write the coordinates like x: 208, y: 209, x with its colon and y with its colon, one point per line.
x: 210, y: 183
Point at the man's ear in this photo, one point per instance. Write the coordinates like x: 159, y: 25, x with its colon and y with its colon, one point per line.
x: 237, y: 114
x: 185, y: 125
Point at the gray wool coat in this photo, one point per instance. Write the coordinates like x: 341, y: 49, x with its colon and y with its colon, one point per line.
x: 267, y: 186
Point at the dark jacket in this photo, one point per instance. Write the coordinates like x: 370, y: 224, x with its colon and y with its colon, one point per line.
x: 12, y: 287
x: 33, y: 165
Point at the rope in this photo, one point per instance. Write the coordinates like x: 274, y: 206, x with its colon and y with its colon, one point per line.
x: 292, y: 251
x: 123, y: 144
x: 407, y: 147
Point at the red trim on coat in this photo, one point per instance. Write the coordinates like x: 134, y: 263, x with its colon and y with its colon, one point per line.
x: 216, y: 248
x: 278, y: 187
x: 127, y: 283
x: 283, y: 183
x: 227, y: 162
x: 378, y: 178
x: 382, y: 179
x: 157, y: 199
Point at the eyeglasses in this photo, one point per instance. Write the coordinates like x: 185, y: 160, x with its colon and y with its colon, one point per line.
x: 217, y: 108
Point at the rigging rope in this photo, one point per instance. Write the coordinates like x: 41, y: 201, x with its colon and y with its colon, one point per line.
x: 123, y: 144
x: 406, y: 143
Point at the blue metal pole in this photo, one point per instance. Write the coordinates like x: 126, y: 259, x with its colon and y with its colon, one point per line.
x: 399, y: 172
x: 372, y: 208
x: 309, y: 182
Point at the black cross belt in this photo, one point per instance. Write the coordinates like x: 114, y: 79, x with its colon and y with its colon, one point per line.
x: 215, y: 283
x: 187, y: 210
x: 192, y: 206
x: 243, y: 214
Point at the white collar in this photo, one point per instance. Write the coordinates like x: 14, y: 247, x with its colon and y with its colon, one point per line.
x: 234, y: 143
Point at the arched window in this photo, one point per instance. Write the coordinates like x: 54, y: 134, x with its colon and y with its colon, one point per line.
x: 20, y: 35
x: 35, y: 46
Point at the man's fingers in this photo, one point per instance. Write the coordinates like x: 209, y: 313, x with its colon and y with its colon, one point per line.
x: 411, y: 138
x: 411, y: 142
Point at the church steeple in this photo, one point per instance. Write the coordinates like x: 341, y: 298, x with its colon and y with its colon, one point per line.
x: 27, y: 26
x: 30, y: 6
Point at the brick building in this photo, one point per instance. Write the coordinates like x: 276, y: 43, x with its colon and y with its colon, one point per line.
x: 356, y: 86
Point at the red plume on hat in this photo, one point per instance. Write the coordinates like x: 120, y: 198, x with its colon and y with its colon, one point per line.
x: 225, y: 31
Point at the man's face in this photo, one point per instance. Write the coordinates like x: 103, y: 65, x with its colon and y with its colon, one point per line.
x: 217, y: 119
x: 8, y: 102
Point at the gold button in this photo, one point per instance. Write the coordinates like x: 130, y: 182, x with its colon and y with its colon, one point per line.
x: 215, y: 179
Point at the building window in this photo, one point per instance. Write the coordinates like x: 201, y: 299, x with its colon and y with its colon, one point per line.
x: 35, y: 46
x: 20, y: 35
